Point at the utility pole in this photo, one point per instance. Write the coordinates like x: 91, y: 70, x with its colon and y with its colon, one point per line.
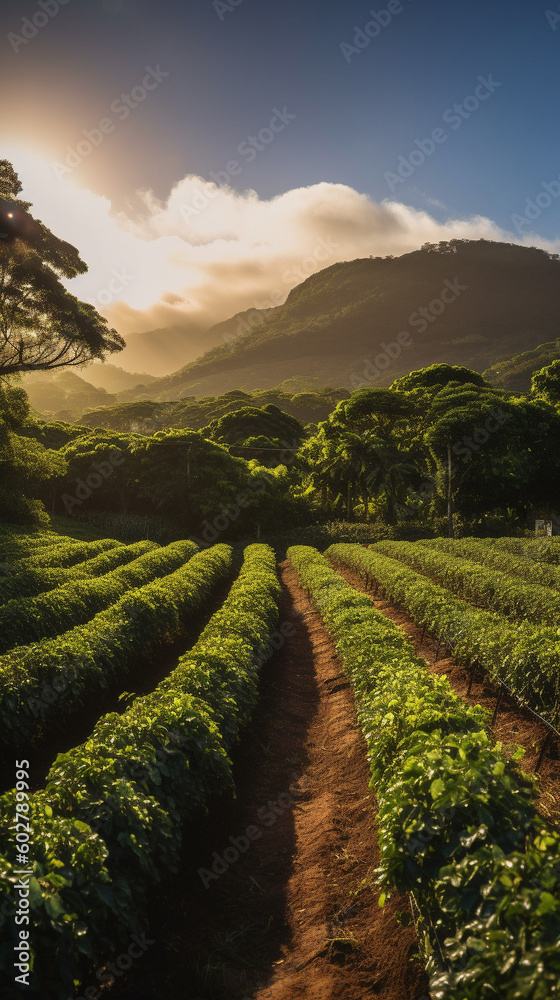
x: 450, y: 530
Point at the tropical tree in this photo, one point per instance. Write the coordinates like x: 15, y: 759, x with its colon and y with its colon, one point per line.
x: 546, y: 383
x: 24, y: 462
x: 42, y: 325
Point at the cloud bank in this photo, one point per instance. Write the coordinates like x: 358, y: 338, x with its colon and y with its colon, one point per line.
x: 209, y: 251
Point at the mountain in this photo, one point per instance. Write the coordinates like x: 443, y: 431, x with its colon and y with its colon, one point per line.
x: 368, y: 321
x: 114, y: 379
x: 160, y: 350
x: 62, y: 394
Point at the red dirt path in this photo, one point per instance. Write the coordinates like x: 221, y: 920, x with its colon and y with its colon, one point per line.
x: 297, y: 914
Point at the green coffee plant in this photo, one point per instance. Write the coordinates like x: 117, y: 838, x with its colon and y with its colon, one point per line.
x: 152, y: 769
x: 481, y: 585
x: 456, y: 818
x: 546, y: 550
x: 23, y: 620
x: 524, y: 656
x: 47, y: 680
x: 38, y: 580
x: 543, y: 574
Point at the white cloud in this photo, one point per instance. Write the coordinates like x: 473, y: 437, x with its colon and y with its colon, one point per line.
x: 210, y: 251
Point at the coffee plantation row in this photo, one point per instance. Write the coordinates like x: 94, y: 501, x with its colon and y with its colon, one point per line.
x: 108, y: 823
x: 489, y: 554
x: 457, y: 825
x: 48, y: 680
x: 524, y: 656
x: 545, y: 550
x: 481, y: 585
x: 39, y: 579
x: 24, y: 619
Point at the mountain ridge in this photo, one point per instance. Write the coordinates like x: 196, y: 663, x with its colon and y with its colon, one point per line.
x: 338, y: 319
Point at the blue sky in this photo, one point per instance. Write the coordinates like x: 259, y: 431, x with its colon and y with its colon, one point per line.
x: 229, y: 69
x: 338, y: 96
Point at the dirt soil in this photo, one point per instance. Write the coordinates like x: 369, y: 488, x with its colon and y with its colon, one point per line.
x: 513, y: 725
x: 297, y: 914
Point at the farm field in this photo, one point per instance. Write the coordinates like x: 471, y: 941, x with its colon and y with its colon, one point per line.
x: 323, y: 782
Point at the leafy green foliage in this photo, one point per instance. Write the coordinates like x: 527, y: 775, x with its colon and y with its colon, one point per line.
x: 524, y: 656
x: 483, y: 586
x: 457, y: 825
x: 40, y: 579
x: 193, y: 412
x: 515, y: 372
x: 545, y: 550
x: 43, y: 325
x: 139, y: 777
x: 24, y: 461
x: 46, y: 680
x: 486, y: 552
x: 546, y: 383
x: 77, y: 600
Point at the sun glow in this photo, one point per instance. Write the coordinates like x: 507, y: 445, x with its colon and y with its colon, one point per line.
x: 209, y: 251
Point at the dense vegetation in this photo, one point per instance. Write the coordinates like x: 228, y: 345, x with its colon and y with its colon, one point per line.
x: 152, y: 488
x: 137, y: 779
x: 525, y: 656
x: 440, y: 450
x: 457, y: 826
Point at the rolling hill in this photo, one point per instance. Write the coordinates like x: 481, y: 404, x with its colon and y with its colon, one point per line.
x: 465, y: 302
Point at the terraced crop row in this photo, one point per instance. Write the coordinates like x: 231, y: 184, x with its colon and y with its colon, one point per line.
x: 111, y: 814
x: 457, y: 825
x: 478, y: 584
x: 45, y: 681
x: 40, y: 579
x: 477, y: 550
x: 546, y: 550
x: 24, y: 620
x: 65, y: 553
x: 14, y: 541
x: 524, y: 656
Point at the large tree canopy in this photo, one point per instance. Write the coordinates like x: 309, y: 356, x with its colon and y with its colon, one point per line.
x: 546, y: 383
x: 42, y: 325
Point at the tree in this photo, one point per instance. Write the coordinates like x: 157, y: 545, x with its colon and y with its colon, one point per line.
x: 42, y: 325
x: 251, y: 421
x: 437, y: 376
x: 546, y: 383
x: 101, y: 471
x: 24, y: 461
